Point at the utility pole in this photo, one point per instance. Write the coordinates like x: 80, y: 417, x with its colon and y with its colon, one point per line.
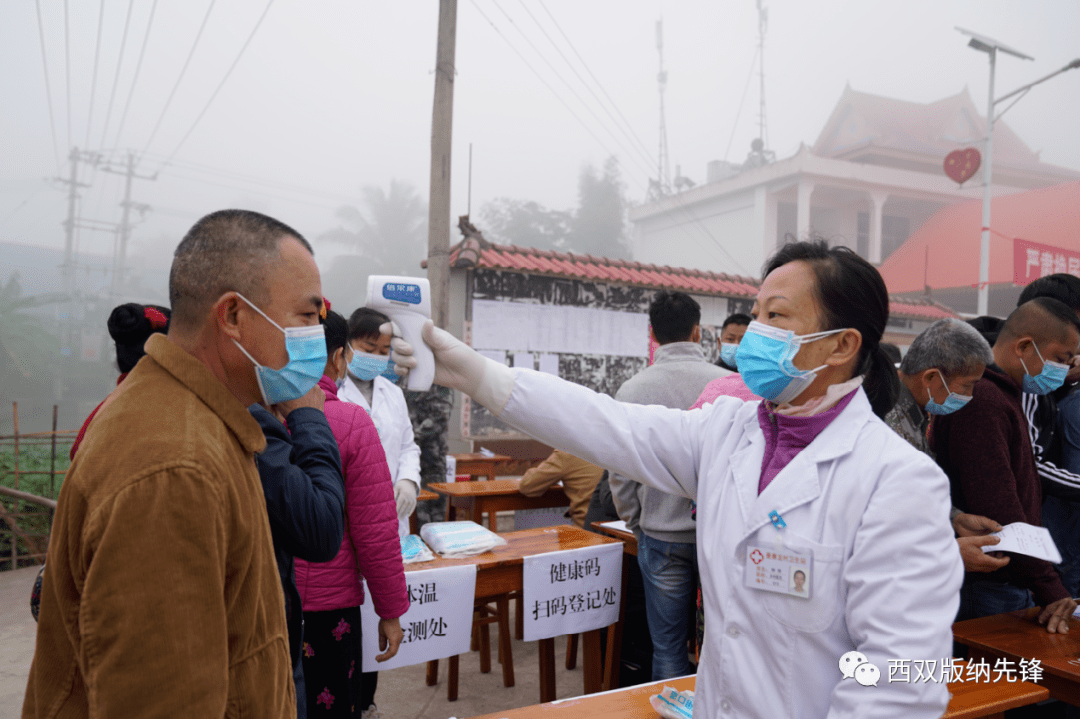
x: 124, y: 229
x: 68, y: 268
x: 442, y: 117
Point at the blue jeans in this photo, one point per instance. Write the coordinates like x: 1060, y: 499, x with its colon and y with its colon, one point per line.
x: 669, y: 571
x: 1062, y: 518
x: 983, y: 598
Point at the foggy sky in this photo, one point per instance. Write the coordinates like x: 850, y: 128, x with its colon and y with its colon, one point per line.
x: 333, y: 95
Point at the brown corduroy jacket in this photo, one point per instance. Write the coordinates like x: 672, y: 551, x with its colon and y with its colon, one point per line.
x: 161, y: 597
x: 578, y: 477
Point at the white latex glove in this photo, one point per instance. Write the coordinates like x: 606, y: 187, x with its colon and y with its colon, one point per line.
x: 397, y: 343
x: 460, y: 367
x: 405, y: 496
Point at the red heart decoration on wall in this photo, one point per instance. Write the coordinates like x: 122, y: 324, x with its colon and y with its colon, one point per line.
x: 961, y: 165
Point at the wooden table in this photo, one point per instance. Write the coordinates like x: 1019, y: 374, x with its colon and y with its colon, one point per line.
x: 476, y: 465
x: 970, y: 700
x: 478, y: 498
x: 499, y: 572
x: 1017, y: 635
x: 627, y: 538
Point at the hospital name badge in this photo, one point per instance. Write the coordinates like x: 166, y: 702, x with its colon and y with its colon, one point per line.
x: 782, y: 570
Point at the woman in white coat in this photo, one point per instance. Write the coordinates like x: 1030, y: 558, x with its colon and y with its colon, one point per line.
x: 809, y: 480
x: 369, y: 385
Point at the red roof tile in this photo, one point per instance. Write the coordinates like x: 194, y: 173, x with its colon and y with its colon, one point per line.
x: 550, y: 262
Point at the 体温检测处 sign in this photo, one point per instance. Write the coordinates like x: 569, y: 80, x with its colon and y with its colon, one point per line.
x: 438, y: 623
x: 1032, y: 260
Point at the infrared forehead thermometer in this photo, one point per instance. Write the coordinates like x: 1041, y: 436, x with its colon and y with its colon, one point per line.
x: 407, y: 301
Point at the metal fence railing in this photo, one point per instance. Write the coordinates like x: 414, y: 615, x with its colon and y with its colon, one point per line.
x: 32, y: 469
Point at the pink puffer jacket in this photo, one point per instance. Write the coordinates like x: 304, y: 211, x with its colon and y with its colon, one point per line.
x: 371, y: 548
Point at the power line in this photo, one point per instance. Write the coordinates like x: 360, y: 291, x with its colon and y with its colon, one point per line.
x: 48, y: 88
x: 135, y: 79
x: 640, y: 147
x: 183, y: 70
x: 238, y: 176
x: 93, y: 81
x: 222, y: 83
x: 593, y: 76
x: 586, y: 105
x: 67, y: 64
x: 254, y: 192
x: 116, y: 77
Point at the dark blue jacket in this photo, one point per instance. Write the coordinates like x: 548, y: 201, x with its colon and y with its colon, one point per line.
x: 300, y: 472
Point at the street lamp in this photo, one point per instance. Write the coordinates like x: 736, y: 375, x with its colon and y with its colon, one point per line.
x: 991, y: 47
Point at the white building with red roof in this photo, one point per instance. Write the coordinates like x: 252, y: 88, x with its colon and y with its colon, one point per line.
x: 872, y: 178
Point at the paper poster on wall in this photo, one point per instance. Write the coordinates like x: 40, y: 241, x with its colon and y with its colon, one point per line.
x: 438, y: 623
x: 516, y: 326
x: 497, y: 355
x: 549, y: 363
x: 573, y: 591
x: 525, y: 360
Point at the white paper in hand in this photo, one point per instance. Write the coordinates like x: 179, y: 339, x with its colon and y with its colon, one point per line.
x: 1024, y: 538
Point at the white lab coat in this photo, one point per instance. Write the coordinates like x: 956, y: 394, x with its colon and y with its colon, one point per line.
x: 390, y: 415
x: 873, y: 511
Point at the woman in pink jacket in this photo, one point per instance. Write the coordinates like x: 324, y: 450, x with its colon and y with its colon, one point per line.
x: 332, y: 591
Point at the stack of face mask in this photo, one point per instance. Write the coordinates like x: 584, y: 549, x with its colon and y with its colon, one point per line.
x: 413, y: 549
x: 459, y: 539
x: 673, y: 704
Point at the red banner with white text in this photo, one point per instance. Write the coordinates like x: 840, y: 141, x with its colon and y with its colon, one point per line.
x: 1032, y: 260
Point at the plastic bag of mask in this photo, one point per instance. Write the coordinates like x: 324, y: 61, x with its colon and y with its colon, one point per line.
x: 459, y: 539
x: 413, y: 549
x: 673, y: 704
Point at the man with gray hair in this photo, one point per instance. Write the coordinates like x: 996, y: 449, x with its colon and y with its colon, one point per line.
x: 161, y: 595
x: 937, y: 377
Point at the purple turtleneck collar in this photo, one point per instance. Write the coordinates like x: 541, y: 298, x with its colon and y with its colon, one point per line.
x: 786, y: 436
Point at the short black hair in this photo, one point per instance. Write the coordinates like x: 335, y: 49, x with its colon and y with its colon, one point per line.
x: 130, y: 325
x: 1061, y: 287
x: 365, y: 323
x: 673, y: 316
x: 336, y: 330
x: 737, y: 319
x: 892, y: 352
x: 1044, y: 319
x: 226, y: 251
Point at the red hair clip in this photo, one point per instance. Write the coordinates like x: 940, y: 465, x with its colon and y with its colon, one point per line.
x: 325, y: 308
x: 158, y: 321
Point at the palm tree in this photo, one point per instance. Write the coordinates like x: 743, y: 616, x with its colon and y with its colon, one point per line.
x: 26, y: 347
x: 387, y: 237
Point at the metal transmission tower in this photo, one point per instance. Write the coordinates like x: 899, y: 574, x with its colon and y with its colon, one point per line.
x: 759, y: 152
x: 763, y: 24
x: 661, y: 186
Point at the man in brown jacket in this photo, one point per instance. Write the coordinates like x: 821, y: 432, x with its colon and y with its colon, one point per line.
x: 161, y: 596
x: 578, y: 477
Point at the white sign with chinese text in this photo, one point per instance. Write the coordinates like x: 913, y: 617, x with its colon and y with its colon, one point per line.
x: 438, y: 623
x: 573, y: 591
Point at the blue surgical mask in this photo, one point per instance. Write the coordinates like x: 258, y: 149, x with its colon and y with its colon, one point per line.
x: 307, y: 360
x: 727, y: 353
x: 1049, y: 378
x: 952, y: 403
x: 389, y: 372
x: 366, y: 366
x: 765, y: 357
